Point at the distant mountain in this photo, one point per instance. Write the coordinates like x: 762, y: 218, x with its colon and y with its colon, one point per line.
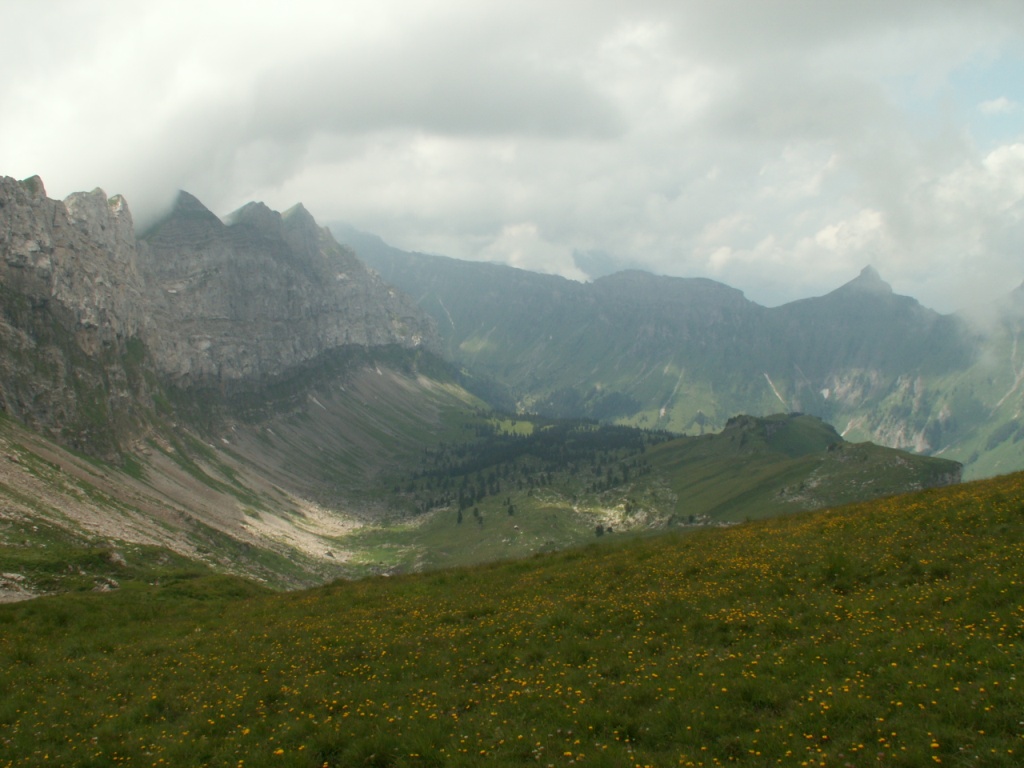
x: 688, y: 354
x: 261, y: 294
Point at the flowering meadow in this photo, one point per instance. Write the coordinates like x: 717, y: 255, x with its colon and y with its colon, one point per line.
x: 887, y: 633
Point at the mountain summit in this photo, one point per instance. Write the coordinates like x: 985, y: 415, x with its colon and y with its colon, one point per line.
x: 200, y: 301
x: 868, y: 281
x: 247, y: 299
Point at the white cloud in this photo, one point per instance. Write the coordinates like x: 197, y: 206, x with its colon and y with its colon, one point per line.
x: 777, y: 146
x: 523, y: 245
x: 1000, y: 106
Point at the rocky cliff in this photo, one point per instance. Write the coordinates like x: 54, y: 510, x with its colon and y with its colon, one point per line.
x: 72, y: 311
x: 249, y: 299
x: 93, y: 320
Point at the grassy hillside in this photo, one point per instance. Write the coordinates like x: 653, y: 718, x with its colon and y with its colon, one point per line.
x: 266, y: 496
x: 517, y: 486
x: 392, y: 473
x: 885, y: 633
x: 775, y: 465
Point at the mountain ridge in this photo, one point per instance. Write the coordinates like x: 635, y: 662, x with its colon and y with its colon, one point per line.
x: 266, y: 403
x: 689, y: 353
x: 96, y: 321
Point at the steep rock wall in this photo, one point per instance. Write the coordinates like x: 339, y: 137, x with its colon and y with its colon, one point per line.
x: 94, y: 321
x: 71, y: 313
x: 245, y: 301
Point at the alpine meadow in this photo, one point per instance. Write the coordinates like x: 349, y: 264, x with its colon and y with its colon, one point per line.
x: 886, y: 633
x: 272, y: 499
x: 397, y: 384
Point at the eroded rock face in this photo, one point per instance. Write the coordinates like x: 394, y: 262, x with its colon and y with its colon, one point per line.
x: 253, y: 297
x: 79, y: 253
x: 88, y: 312
x: 71, y: 301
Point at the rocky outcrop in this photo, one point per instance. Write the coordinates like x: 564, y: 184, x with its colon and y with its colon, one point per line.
x: 71, y: 304
x: 93, y: 319
x: 249, y: 299
x: 79, y: 256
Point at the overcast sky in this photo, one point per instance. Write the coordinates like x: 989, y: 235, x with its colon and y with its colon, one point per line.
x: 775, y: 145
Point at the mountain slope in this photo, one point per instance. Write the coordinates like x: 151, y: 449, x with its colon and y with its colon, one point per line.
x: 265, y: 405
x: 765, y: 467
x: 248, y: 385
x: 98, y: 324
x: 248, y: 300
x: 886, y: 633
x: 363, y: 476
x: 71, y: 317
x: 271, y: 499
x: 519, y: 486
x: 687, y: 355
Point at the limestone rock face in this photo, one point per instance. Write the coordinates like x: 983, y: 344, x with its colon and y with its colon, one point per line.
x: 94, y: 320
x: 71, y: 300
x: 248, y: 299
x: 79, y: 254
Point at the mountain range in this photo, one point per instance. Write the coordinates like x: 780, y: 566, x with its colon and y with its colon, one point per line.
x: 689, y: 354
x: 247, y: 393
x: 195, y: 413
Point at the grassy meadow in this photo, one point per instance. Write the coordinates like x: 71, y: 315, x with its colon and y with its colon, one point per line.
x: 887, y: 633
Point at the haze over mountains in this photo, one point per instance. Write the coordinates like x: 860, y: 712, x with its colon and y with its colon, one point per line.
x: 688, y: 354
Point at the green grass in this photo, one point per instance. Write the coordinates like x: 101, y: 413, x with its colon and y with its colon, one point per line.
x: 886, y: 633
x: 53, y: 559
x: 778, y: 464
x: 541, y: 523
x: 512, y: 426
x: 590, y: 475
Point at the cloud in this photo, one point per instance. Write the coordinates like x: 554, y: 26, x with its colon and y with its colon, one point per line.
x: 1000, y: 106
x: 778, y: 146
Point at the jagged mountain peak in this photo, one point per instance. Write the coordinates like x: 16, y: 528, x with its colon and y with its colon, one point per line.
x: 188, y: 217
x: 257, y: 215
x: 298, y: 213
x: 185, y: 203
x: 34, y: 186
x: 868, y: 281
x: 262, y: 217
x: 96, y: 204
x: 261, y: 294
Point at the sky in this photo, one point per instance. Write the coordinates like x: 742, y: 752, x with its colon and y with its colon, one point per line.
x: 778, y: 146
